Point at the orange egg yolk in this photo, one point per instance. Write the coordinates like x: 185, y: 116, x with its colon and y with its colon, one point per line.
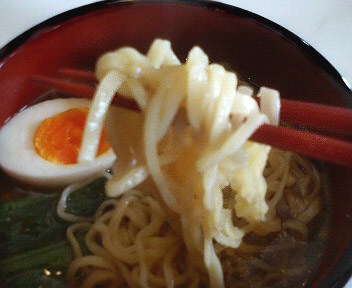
x: 58, y: 139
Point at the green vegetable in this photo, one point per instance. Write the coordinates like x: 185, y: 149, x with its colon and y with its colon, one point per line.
x: 85, y: 201
x: 33, y: 222
x: 29, y: 223
x: 36, y: 278
x: 54, y: 255
x: 32, y: 236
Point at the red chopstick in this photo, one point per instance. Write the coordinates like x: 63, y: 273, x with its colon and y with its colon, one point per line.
x: 317, y: 116
x: 310, y: 115
x: 80, y: 90
x: 77, y: 74
x: 305, y: 143
x: 73, y: 88
x: 322, y: 117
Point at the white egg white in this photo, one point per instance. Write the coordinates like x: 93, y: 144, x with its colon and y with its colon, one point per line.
x: 19, y: 159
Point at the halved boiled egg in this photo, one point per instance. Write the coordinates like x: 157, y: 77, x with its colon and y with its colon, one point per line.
x: 40, y: 145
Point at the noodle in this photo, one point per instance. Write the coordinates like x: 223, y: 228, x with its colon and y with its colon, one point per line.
x: 210, y: 188
x: 135, y: 235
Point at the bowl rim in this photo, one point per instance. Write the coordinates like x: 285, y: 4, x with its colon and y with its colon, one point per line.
x: 342, y: 272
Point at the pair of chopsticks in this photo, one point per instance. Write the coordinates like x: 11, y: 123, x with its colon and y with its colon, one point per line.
x: 308, y: 115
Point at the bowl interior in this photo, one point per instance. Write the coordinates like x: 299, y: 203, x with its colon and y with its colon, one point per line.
x: 258, y: 50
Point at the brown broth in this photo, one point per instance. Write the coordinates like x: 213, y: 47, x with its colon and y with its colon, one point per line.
x: 285, y: 260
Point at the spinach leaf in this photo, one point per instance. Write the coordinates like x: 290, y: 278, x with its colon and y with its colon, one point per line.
x: 32, y: 236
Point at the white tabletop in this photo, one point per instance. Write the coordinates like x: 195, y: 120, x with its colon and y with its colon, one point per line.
x: 325, y: 24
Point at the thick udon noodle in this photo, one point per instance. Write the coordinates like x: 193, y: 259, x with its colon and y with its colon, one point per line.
x: 194, y: 185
